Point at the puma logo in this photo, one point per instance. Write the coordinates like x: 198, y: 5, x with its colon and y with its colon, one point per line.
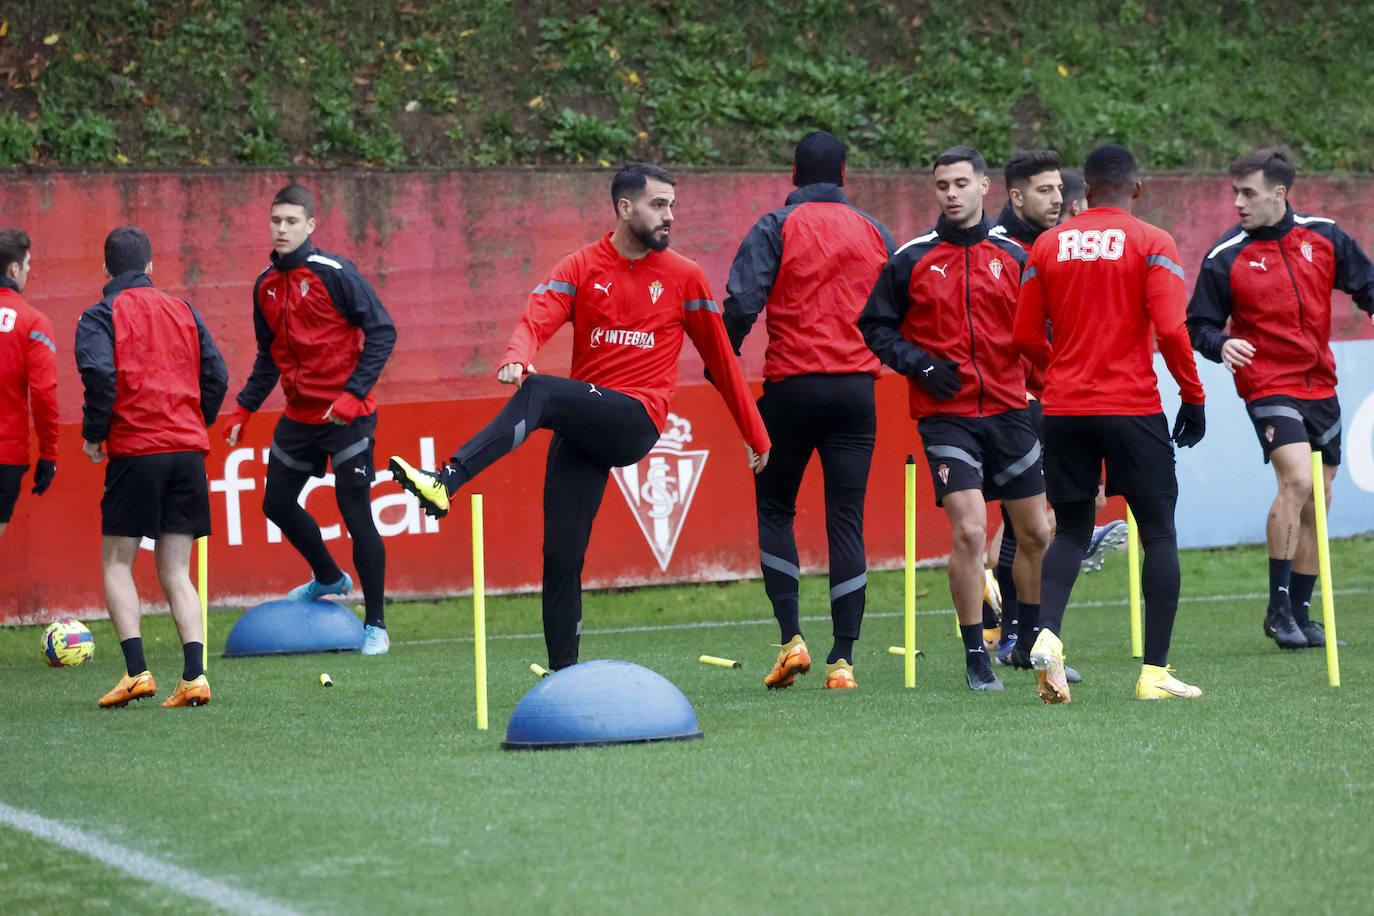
x: 591, y: 389
x: 273, y: 294
x: 1259, y: 265
x: 360, y: 471
x: 941, y: 269
x: 605, y: 289
x: 927, y: 370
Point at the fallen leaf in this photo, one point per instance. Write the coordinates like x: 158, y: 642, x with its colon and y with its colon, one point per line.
x: 412, y: 105
x: 51, y: 39
x: 1063, y: 71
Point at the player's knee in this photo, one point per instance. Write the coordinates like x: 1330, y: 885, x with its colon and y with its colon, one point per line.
x: 969, y: 538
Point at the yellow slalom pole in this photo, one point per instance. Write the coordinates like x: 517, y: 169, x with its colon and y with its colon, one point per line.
x: 1133, y: 578
x: 203, y: 588
x: 909, y: 622
x: 479, y: 611
x: 1333, y: 662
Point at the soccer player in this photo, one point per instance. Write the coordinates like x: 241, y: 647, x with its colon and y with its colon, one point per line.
x: 941, y: 315
x: 630, y: 300
x: 154, y: 382
x: 323, y: 332
x: 28, y: 379
x: 1272, y: 277
x: 1074, y: 201
x: 1104, y: 280
x: 811, y: 264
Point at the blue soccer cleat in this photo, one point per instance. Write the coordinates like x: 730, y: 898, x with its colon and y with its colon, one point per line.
x: 1105, y: 539
x: 375, y: 640
x: 314, y: 591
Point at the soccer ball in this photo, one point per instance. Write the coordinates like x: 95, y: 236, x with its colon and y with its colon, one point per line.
x: 67, y: 642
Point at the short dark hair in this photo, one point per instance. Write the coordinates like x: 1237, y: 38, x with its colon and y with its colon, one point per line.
x: 961, y: 154
x: 299, y: 195
x: 1110, y: 164
x: 1074, y: 189
x: 127, y: 248
x: 631, y: 179
x: 14, y: 245
x: 1025, y: 164
x: 1275, y: 162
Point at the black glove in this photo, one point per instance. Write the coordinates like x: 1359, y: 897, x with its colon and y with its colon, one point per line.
x: 1189, y: 426
x: 940, y: 376
x: 43, y: 475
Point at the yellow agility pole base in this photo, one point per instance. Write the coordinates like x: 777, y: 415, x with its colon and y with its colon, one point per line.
x: 1333, y: 661
x: 203, y: 589
x: 479, y: 611
x: 1133, y: 577
x: 909, y: 618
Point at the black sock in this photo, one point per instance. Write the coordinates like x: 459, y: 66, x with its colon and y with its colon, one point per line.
x: 1300, y: 596
x: 453, y: 475
x: 1029, y: 626
x: 786, y: 609
x: 133, y: 655
x: 1280, y: 572
x: 843, y: 649
x: 974, y: 653
x: 194, y: 664
x: 989, y: 617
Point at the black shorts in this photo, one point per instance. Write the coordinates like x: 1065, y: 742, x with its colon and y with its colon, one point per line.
x: 999, y: 455
x: 1283, y: 420
x: 11, y: 479
x: 152, y: 495
x: 306, y: 448
x: 1136, y: 450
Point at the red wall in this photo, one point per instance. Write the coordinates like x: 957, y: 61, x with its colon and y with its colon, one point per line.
x: 453, y: 256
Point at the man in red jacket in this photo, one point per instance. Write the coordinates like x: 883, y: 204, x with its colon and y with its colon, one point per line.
x: 153, y: 382
x: 1272, y: 277
x: 631, y: 301
x: 941, y: 315
x: 811, y: 264
x: 28, y: 379
x: 323, y: 332
x: 1105, y: 281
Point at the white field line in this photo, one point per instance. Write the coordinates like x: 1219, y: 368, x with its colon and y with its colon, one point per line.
x: 141, y: 866
x: 868, y: 615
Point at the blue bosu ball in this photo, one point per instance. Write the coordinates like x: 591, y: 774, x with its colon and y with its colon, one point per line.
x: 598, y: 703
x: 294, y: 627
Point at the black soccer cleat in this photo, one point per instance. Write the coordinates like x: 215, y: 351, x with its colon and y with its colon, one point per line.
x: 979, y: 674
x: 1284, y: 629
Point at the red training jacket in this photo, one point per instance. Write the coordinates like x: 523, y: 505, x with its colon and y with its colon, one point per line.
x: 950, y: 294
x: 1274, y: 284
x: 811, y: 263
x: 1103, y: 280
x: 154, y: 379
x: 28, y: 379
x: 629, y: 319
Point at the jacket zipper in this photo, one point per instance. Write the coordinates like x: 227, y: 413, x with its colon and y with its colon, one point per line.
x: 968, y: 313
x: 1302, y: 324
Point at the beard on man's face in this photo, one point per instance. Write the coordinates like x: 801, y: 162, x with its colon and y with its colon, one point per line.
x: 654, y: 239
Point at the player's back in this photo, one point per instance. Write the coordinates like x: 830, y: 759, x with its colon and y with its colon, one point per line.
x: 1105, y: 277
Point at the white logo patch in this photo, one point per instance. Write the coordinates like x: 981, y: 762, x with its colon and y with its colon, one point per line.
x: 605, y: 289
x: 659, y: 488
x: 940, y: 270
x: 305, y: 287
x: 1091, y: 244
x: 1259, y: 265
x: 644, y: 340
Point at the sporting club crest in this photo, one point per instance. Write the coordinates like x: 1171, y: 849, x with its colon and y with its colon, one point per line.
x: 943, y: 471
x: 1269, y: 434
x: 995, y: 265
x: 660, y: 487
x: 656, y: 290
x: 1306, y: 249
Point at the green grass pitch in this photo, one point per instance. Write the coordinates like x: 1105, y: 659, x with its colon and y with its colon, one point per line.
x: 380, y: 795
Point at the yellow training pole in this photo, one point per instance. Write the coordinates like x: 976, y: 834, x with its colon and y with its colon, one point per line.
x: 203, y: 588
x: 1333, y: 662
x: 909, y: 662
x: 479, y: 611
x: 1133, y: 578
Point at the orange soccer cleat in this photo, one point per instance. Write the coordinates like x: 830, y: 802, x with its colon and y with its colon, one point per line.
x: 190, y: 693
x: 839, y: 675
x: 794, y: 659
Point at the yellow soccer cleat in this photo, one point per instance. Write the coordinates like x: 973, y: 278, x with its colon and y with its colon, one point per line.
x: 991, y: 637
x: 425, y: 485
x: 794, y: 659
x: 190, y: 693
x: 130, y: 687
x: 839, y: 676
x: 1158, y: 683
x: 992, y: 592
x: 1047, y: 658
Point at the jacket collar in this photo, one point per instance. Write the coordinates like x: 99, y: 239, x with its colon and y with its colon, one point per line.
x: 965, y: 238
x: 7, y: 283
x: 1276, y: 231
x: 1018, y: 228
x: 295, y: 259
x: 818, y: 192
x: 130, y: 279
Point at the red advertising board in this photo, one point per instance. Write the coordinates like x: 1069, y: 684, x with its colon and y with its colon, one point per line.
x: 453, y: 255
